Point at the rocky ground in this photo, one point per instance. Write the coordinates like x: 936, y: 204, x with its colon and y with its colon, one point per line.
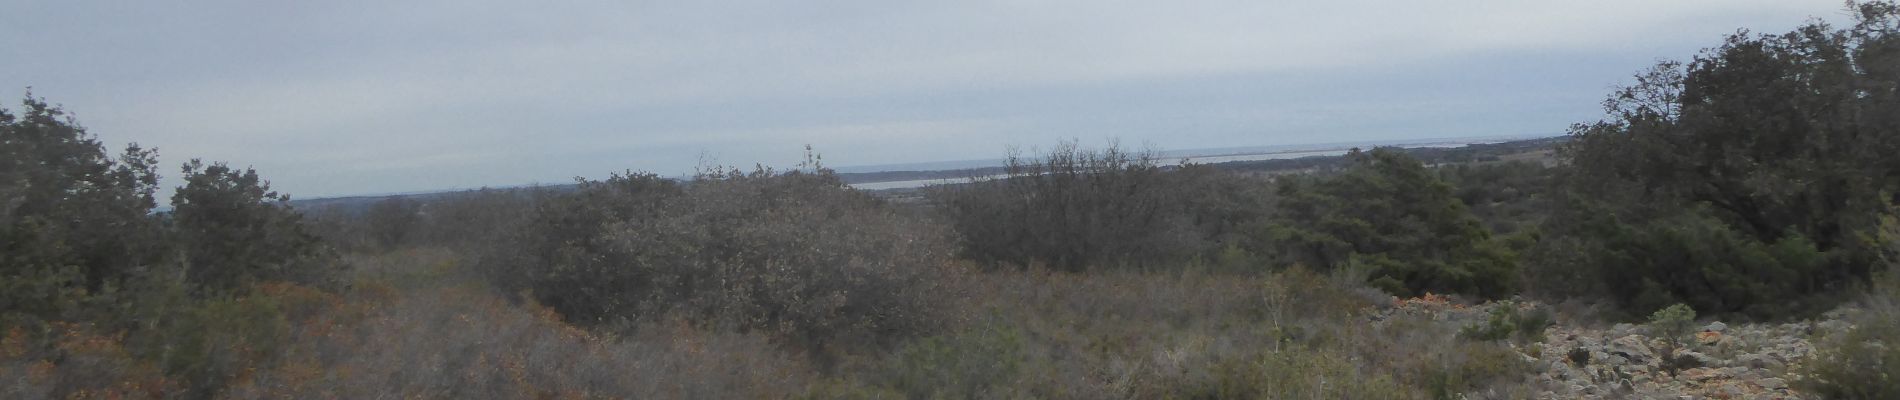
x: 1624, y: 361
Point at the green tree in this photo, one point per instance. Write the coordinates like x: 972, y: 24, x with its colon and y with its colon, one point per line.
x: 73, y: 220
x: 233, y: 230
x: 1388, y: 213
x: 1784, y: 140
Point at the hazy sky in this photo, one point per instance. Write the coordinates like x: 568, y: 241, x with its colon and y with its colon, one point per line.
x: 351, y: 97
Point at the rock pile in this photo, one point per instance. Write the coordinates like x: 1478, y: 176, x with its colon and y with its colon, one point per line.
x: 1721, y: 361
x: 1746, y: 361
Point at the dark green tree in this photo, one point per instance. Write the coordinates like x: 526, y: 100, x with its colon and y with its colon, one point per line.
x: 73, y: 220
x: 233, y: 230
x: 1756, y: 153
x: 1389, y: 214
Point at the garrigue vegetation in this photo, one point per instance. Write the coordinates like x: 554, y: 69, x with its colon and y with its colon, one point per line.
x: 1755, y: 181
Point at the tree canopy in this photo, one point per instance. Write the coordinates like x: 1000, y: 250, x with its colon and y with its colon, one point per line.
x: 1761, y: 148
x: 1390, y: 214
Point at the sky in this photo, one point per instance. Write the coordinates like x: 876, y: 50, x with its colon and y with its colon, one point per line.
x: 334, y: 98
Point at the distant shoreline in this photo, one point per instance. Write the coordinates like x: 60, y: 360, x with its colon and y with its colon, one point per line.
x: 917, y: 178
x: 917, y: 175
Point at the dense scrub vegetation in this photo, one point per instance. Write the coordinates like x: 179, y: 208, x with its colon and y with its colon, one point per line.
x: 1075, y: 209
x: 796, y: 254
x: 1861, y: 364
x: 137, y: 302
x: 1744, y: 180
x: 1755, y: 181
x: 1388, y: 214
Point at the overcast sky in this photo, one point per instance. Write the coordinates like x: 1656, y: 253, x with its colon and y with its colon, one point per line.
x: 332, y: 98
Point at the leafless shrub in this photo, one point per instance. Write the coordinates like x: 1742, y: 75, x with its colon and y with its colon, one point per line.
x: 1074, y: 209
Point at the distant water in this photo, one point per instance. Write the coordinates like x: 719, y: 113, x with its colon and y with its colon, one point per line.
x: 1220, y: 154
x: 917, y: 183
x: 1174, y: 157
x: 1170, y: 157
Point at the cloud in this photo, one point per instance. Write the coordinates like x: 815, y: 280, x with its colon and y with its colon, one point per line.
x: 347, y: 97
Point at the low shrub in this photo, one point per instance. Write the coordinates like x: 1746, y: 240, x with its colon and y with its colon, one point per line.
x: 1508, y: 320
x: 1297, y: 373
x: 1691, y: 257
x: 467, y: 343
x: 796, y: 255
x: 1674, y: 325
x: 1075, y: 209
x: 71, y: 361
x: 1864, y: 362
x: 983, y: 363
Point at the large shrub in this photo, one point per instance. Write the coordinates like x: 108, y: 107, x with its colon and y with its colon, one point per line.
x: 73, y: 220
x: 1778, y: 146
x: 233, y: 231
x: 795, y: 254
x: 102, y: 294
x: 1693, y: 258
x: 1864, y: 362
x: 1388, y: 214
x: 1074, y: 209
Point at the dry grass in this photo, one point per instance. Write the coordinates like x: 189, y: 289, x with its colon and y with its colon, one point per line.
x: 431, y: 331
x: 464, y: 343
x: 415, y: 325
x: 1144, y: 335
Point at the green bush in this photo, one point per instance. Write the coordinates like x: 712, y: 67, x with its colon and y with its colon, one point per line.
x: 1509, y: 197
x: 1074, y: 209
x: 1388, y: 213
x: 1469, y: 366
x: 1740, y: 180
x: 1864, y: 362
x: 979, y: 364
x: 1674, y: 325
x: 234, y: 231
x: 1692, y: 258
x: 74, y: 221
x: 794, y: 254
x: 206, y: 344
x: 1507, y: 320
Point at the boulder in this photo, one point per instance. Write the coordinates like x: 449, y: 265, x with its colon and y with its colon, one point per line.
x: 1759, y: 361
x: 1772, y: 384
x: 1621, y: 329
x: 1632, y: 347
x: 1691, y: 359
x: 1834, y: 326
